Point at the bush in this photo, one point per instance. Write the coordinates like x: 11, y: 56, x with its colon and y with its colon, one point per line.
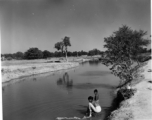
x: 33, y: 53
x: 9, y: 58
x: 144, y: 58
x: 19, y: 55
x: 47, y: 54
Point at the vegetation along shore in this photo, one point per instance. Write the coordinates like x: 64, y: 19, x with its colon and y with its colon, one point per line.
x: 124, y: 57
x: 139, y: 105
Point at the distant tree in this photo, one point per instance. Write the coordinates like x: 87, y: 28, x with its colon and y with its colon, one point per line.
x: 47, y: 54
x: 19, y: 55
x: 94, y: 52
x: 123, y: 47
x: 66, y: 42
x: 79, y: 53
x: 8, y: 56
x: 75, y: 53
x: 33, y: 53
x: 83, y: 52
x: 59, y: 46
x: 57, y: 54
x: 102, y: 54
x: 63, y: 46
x: 69, y: 53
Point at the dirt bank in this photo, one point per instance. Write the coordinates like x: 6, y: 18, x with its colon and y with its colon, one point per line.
x: 139, y: 106
x: 19, y: 71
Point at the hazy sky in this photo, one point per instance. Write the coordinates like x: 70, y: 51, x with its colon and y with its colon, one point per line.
x: 42, y: 23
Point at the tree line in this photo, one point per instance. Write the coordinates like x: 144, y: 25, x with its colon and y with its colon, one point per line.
x: 35, y: 53
x: 62, y: 51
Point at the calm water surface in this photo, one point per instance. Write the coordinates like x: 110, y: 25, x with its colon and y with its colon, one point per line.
x: 61, y: 94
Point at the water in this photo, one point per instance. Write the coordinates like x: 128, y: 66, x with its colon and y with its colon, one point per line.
x: 61, y: 94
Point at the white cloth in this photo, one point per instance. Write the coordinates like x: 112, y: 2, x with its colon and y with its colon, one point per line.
x: 96, y: 109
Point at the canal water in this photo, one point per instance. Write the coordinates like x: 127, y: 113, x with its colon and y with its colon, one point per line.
x: 60, y: 94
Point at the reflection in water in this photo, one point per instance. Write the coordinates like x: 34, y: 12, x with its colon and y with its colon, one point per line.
x: 83, y: 63
x: 3, y: 89
x: 38, y: 103
x: 34, y: 79
x: 68, y: 84
x: 93, y: 86
x: 13, y: 82
x: 94, y: 62
x: 65, y: 82
x: 95, y: 73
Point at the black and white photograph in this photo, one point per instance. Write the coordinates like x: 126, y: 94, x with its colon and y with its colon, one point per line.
x: 75, y: 60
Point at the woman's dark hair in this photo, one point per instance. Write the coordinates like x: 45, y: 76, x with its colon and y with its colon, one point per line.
x: 95, y: 90
x: 90, y: 98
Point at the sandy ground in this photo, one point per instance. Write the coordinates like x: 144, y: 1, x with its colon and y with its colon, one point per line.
x: 62, y: 59
x: 139, y: 106
x: 21, y: 62
x: 18, y: 71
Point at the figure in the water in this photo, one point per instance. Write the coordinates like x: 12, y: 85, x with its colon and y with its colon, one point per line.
x: 65, y: 81
x: 94, y: 106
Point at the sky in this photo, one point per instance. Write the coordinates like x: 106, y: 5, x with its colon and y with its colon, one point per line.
x: 42, y: 23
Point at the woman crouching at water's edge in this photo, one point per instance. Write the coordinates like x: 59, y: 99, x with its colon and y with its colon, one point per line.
x: 93, y: 107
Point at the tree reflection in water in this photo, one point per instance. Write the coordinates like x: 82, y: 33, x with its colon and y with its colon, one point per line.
x: 94, y: 62
x: 65, y: 81
x: 3, y: 89
x: 34, y: 79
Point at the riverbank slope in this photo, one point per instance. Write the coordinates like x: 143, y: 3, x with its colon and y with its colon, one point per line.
x: 139, y: 106
x: 18, y: 71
